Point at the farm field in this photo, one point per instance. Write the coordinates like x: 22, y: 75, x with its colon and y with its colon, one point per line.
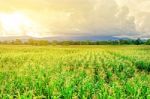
x: 77, y: 72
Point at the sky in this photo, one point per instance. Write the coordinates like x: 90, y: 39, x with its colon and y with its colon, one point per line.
x: 44, y: 18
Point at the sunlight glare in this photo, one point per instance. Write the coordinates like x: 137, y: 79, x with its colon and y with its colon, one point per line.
x: 14, y: 22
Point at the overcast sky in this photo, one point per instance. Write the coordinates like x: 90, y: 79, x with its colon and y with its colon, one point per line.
x: 40, y: 18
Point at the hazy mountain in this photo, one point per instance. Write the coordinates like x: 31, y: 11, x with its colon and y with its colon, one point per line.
x: 76, y: 38
x: 61, y: 38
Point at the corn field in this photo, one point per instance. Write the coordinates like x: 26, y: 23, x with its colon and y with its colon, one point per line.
x: 74, y: 72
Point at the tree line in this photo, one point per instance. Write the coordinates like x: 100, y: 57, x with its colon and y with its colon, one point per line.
x: 87, y: 42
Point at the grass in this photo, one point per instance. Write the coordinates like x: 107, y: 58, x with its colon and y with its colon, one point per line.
x: 77, y: 72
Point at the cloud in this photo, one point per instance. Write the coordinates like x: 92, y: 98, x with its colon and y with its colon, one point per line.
x: 82, y: 17
x: 139, y: 9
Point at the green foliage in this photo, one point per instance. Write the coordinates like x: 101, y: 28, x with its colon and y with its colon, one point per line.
x: 138, y: 41
x: 147, y: 42
x: 39, y: 42
x: 143, y: 65
x: 74, y: 72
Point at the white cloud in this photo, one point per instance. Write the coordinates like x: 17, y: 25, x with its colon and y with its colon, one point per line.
x: 83, y: 17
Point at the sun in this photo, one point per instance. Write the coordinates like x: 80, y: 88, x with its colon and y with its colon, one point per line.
x: 19, y: 24
x: 14, y: 23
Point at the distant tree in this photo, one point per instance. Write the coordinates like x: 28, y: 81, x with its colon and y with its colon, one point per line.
x: 5, y: 42
x: 66, y: 42
x: 138, y: 41
x: 147, y: 42
x: 43, y: 42
x: 86, y: 42
x: 130, y: 42
x: 12, y: 42
x: 116, y: 42
x: 97, y: 42
x: 54, y: 42
x: 30, y: 42
x: 123, y: 42
x: 17, y: 42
